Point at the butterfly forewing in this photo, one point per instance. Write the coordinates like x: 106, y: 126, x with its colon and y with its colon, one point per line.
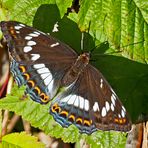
x: 37, y: 60
x: 23, y: 41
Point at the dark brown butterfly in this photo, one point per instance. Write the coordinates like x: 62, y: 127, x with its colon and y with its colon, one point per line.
x: 51, y: 69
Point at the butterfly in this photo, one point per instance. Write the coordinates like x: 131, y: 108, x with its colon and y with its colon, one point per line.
x: 52, y: 71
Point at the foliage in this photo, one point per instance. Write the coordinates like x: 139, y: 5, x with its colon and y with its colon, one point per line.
x: 122, y: 23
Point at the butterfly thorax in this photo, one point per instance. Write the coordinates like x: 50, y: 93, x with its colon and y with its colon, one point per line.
x: 76, y: 69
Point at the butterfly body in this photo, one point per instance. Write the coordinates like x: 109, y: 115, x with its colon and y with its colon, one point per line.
x: 44, y: 65
x: 76, y: 69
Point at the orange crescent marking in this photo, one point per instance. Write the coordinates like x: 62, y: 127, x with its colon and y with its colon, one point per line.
x: 11, y: 27
x: 53, y: 109
x: 124, y: 120
x: 57, y: 109
x: 27, y: 76
x: 72, y: 117
x: 38, y: 89
x: 90, y: 121
x: 64, y: 112
x: 120, y: 121
x: 79, y: 119
x: 87, y: 122
x: 55, y: 105
x: 42, y: 94
x: 116, y: 120
x: 12, y: 31
x: 22, y: 68
x: 45, y: 98
x: 32, y: 83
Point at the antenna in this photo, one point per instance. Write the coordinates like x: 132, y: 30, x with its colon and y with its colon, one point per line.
x: 82, y: 41
x: 83, y: 37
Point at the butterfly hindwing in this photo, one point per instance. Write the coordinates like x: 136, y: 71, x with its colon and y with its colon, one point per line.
x: 37, y: 60
x: 70, y: 108
x: 107, y: 110
x: 90, y: 104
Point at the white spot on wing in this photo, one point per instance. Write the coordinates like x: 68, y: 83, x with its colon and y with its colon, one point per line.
x: 66, y: 98
x: 17, y: 32
x: 17, y: 27
x: 123, y: 109
x: 76, y: 103
x: 33, y: 35
x: 50, y: 86
x: 31, y: 43
x: 119, y: 115
x: 55, y: 28
x: 44, y: 75
x: 113, y: 100
x: 112, y: 107
x: 71, y: 99
x: 101, y: 83
x: 96, y: 107
x: 107, y: 106
x: 22, y: 25
x: 36, y: 32
x: 103, y: 112
x: 86, y: 107
x: 41, y: 32
x: 43, y: 70
x: 113, y: 91
x: 37, y: 66
x: 27, y: 48
x: 53, y: 45
x: 81, y: 102
x: 48, y: 79
x: 35, y: 57
x: 122, y: 113
x: 114, y: 96
x: 28, y: 37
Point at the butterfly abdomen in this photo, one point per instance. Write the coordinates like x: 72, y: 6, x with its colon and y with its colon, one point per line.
x: 76, y: 69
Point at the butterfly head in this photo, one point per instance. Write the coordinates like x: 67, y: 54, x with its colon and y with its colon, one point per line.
x: 85, y: 57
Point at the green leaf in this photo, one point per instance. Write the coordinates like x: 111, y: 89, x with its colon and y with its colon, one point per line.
x: 142, y: 5
x: 122, y: 23
x: 63, y: 5
x: 17, y: 140
x: 107, y: 140
x: 23, y: 10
